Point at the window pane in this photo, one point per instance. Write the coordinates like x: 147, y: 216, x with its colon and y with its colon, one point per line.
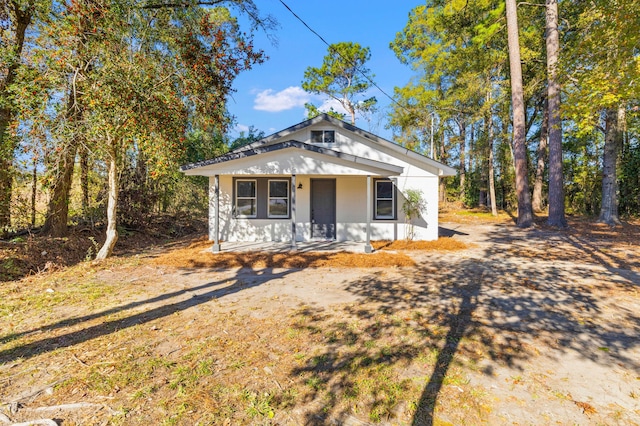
x: 316, y: 136
x: 384, y: 189
x: 278, y: 207
x: 278, y: 188
x: 246, y: 207
x: 329, y: 136
x: 384, y: 208
x: 246, y: 188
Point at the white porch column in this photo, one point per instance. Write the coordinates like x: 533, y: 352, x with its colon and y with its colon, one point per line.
x: 216, y: 224
x: 367, y: 246
x: 293, y: 211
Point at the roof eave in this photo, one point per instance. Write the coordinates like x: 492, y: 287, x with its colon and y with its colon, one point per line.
x: 235, y: 155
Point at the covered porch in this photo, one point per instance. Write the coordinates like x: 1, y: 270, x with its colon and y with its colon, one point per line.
x: 322, y: 213
x: 294, y: 193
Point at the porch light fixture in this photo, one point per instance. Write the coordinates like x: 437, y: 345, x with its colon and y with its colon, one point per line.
x: 300, y: 185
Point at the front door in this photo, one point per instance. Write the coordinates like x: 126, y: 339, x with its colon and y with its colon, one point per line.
x: 323, y: 209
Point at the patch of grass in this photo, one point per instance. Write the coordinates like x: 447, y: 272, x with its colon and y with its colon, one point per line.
x: 315, y: 383
x: 259, y: 404
x: 238, y: 364
x: 474, y: 215
x: 144, y: 392
x: 292, y: 333
x: 10, y: 269
x: 377, y: 390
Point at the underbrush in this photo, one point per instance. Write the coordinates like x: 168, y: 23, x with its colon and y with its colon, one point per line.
x: 34, y: 253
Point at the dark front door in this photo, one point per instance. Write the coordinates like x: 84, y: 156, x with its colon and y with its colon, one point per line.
x: 323, y: 209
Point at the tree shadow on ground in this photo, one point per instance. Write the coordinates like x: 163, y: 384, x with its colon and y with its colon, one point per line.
x: 449, y: 232
x: 155, y: 308
x: 495, y: 305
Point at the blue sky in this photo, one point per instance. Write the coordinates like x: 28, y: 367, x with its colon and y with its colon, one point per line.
x: 270, y: 96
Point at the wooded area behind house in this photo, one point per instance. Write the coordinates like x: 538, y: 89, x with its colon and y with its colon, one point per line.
x: 101, y: 101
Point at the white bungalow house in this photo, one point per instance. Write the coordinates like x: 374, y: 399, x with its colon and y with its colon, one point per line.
x: 322, y: 179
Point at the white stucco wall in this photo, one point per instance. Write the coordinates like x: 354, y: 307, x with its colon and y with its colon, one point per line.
x: 351, y: 213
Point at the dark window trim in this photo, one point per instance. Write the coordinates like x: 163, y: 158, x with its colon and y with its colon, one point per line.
x: 235, y: 197
x: 288, y: 198
x: 394, y: 200
x: 262, y: 198
x: 324, y: 137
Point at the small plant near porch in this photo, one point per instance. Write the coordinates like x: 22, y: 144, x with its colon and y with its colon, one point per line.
x: 414, y: 204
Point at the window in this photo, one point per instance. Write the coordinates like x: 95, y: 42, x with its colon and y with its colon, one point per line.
x: 278, y: 198
x: 262, y: 198
x: 385, y: 200
x: 323, y: 136
x: 246, y: 198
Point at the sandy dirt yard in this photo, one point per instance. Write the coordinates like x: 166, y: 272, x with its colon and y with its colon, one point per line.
x: 523, y: 327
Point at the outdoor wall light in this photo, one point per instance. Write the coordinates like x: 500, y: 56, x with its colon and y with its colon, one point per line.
x: 300, y: 185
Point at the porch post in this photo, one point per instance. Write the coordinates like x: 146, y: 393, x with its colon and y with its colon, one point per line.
x: 293, y: 211
x: 367, y: 246
x: 216, y: 223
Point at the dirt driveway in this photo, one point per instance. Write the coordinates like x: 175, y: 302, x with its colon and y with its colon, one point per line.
x: 523, y: 327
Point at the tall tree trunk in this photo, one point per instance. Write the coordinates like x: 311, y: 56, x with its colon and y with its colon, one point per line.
x: 7, y: 114
x: 472, y: 151
x: 112, y: 205
x: 525, y: 212
x: 463, y: 168
x: 443, y: 183
x: 58, y: 209
x: 612, y: 139
x: 556, y: 181
x: 34, y: 190
x: 6, y: 169
x: 57, y: 217
x: 492, y: 179
x: 84, y: 179
x: 542, y: 157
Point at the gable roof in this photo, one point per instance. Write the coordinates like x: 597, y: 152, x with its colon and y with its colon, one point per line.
x: 395, y: 147
x: 329, y: 155
x: 277, y: 141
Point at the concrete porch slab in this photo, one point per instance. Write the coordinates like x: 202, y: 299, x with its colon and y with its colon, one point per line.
x: 282, y: 247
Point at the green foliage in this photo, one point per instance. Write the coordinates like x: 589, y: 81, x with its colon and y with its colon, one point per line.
x: 629, y: 178
x: 600, y: 61
x: 459, y: 52
x: 413, y: 206
x: 472, y: 185
x: 251, y: 136
x: 343, y: 77
x: 144, y: 86
x: 313, y: 111
x: 582, y: 172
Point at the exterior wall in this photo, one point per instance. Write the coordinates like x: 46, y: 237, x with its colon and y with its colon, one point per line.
x: 354, y: 144
x: 351, y: 212
x: 241, y: 229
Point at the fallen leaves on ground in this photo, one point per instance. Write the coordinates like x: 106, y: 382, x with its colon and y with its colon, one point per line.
x: 448, y: 244
x: 587, y: 408
x: 197, y: 256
